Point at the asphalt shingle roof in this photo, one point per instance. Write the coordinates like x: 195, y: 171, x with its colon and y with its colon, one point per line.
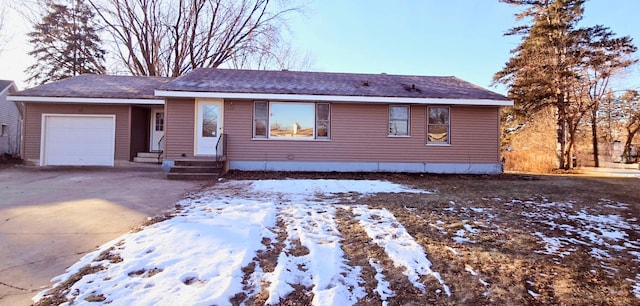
x: 4, y: 84
x: 264, y: 82
x: 99, y: 86
x: 325, y: 83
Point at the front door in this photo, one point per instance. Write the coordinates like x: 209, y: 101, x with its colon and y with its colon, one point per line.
x: 209, y: 126
x: 157, y: 130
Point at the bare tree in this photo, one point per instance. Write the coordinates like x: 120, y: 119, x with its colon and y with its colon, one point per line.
x: 170, y: 37
x: 275, y: 55
x: 3, y: 38
x: 606, y: 56
x: 630, y: 109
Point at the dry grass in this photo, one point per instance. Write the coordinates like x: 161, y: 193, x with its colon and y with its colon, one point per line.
x: 532, y: 161
x: 502, y: 265
x: 533, y: 148
x: 504, y: 252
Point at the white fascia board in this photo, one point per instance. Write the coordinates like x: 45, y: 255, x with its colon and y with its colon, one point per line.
x: 84, y: 100
x: 328, y: 98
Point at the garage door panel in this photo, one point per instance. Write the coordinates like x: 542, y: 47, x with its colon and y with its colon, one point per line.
x: 79, y: 140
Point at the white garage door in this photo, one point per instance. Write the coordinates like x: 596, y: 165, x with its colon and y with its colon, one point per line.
x: 79, y: 140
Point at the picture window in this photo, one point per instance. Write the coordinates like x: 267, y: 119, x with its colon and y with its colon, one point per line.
x: 291, y: 120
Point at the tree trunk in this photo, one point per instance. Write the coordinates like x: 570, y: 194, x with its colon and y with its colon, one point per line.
x: 561, y: 131
x: 631, y: 133
x: 594, y: 136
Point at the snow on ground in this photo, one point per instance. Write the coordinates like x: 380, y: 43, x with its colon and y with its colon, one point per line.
x: 568, y: 229
x: 194, y: 258
x: 603, y: 232
x: 383, y: 289
x: 197, y: 257
x: 385, y: 231
x: 208, y: 252
x: 324, y: 268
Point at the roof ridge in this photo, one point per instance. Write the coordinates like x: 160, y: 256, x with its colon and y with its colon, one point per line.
x: 315, y: 72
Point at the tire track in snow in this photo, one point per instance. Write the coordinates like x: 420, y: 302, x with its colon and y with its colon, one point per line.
x: 323, y: 268
x: 386, y: 232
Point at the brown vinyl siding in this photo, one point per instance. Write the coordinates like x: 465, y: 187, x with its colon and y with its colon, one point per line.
x: 359, y: 133
x: 179, y: 127
x: 33, y: 125
x: 139, y: 130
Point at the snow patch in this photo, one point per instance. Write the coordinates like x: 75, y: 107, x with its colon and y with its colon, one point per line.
x: 383, y: 289
x: 196, y: 257
x: 323, y: 268
x: 386, y: 232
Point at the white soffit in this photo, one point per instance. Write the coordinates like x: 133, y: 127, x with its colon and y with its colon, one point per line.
x: 327, y: 98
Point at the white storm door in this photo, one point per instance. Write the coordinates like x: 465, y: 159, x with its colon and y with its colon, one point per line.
x: 157, y: 129
x: 208, y: 126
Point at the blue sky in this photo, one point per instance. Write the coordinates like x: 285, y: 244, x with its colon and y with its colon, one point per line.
x: 462, y: 38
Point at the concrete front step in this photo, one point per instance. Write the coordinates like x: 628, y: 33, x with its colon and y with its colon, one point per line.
x: 192, y: 176
x: 139, y: 159
x: 149, y: 154
x: 195, y: 169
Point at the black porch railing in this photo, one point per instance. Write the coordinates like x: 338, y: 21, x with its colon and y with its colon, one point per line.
x: 221, y: 147
x: 161, y: 148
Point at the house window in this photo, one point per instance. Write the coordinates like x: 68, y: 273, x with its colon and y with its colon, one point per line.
x: 398, y: 120
x: 291, y: 120
x: 159, y: 122
x: 4, y: 130
x: 210, y: 120
x: 438, y: 125
x: 260, y: 119
x: 323, y: 118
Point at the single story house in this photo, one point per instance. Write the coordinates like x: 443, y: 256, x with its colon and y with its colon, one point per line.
x: 267, y: 120
x: 10, y: 120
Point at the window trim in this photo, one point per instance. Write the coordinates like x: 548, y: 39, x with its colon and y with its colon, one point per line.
x: 442, y: 144
x: 408, y: 121
x: 268, y: 137
x: 4, y: 129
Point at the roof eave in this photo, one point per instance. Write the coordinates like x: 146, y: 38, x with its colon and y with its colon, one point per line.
x: 85, y: 100
x: 329, y: 98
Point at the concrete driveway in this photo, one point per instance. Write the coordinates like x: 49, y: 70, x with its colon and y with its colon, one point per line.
x: 50, y: 217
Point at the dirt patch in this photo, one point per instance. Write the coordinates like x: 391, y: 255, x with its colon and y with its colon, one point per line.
x: 7, y: 161
x: 57, y: 295
x: 145, y: 272
x: 496, y: 257
x: 361, y: 252
x: 479, y: 233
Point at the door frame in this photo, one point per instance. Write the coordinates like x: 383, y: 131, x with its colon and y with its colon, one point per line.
x: 152, y: 129
x: 197, y: 131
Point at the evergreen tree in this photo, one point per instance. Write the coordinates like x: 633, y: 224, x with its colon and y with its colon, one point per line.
x: 65, y: 43
x: 551, y: 67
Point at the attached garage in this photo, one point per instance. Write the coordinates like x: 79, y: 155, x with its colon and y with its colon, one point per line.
x: 78, y: 140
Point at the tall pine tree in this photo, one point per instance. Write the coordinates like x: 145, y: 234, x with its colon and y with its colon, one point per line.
x: 553, y: 67
x: 65, y: 43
